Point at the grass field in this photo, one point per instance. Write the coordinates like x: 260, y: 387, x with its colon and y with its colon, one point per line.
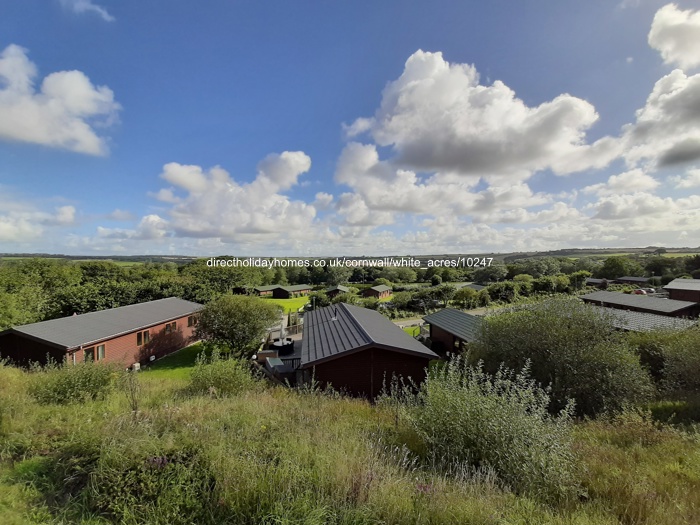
x: 290, y: 305
x: 413, y: 331
x: 174, y: 366
x: 272, y: 455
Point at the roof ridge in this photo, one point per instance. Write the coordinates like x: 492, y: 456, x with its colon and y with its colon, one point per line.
x: 357, y: 323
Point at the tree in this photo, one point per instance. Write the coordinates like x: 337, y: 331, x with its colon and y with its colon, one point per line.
x: 347, y: 297
x: 338, y: 275
x: 436, y: 280
x: 616, y: 267
x: 238, y: 322
x: 401, y: 299
x: 572, y: 348
x: 466, y: 298
x: 445, y: 293
x: 319, y: 299
x: 492, y: 273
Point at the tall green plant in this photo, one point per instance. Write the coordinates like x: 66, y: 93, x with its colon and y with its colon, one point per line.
x: 498, y: 422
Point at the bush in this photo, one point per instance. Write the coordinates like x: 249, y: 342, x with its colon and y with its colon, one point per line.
x: 499, y: 422
x: 573, y: 349
x: 67, y: 383
x: 672, y: 357
x: 220, y: 376
x: 173, y: 487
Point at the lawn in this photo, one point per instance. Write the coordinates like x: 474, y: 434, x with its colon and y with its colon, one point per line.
x: 174, y: 366
x: 413, y: 331
x: 290, y: 305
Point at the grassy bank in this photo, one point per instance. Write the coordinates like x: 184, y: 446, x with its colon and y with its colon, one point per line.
x: 270, y: 455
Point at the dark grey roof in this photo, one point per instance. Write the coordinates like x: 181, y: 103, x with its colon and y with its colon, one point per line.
x: 591, y: 280
x: 464, y: 326
x: 297, y: 287
x: 77, y: 330
x: 338, y: 287
x: 294, y: 288
x: 637, y: 301
x: 644, y: 322
x: 684, y: 284
x: 267, y: 288
x: 343, y: 328
x: 381, y: 288
x: 633, y: 279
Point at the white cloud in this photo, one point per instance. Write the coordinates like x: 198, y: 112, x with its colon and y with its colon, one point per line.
x: 690, y: 180
x: 85, y: 6
x: 323, y: 201
x: 382, y: 193
x: 667, y: 129
x: 60, y: 114
x: 676, y: 35
x: 211, y: 205
x: 151, y: 227
x: 283, y: 170
x: 628, y: 182
x: 22, y: 222
x: 121, y: 215
x: 438, y: 117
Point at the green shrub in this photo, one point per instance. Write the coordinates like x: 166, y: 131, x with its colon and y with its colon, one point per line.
x: 672, y: 357
x: 220, y: 376
x: 497, y: 422
x: 67, y: 383
x: 173, y: 487
x: 573, y: 350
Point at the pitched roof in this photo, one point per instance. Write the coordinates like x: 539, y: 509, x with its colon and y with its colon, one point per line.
x: 338, y: 287
x: 297, y: 287
x: 293, y: 288
x: 637, y: 301
x: 77, y: 330
x: 381, y: 288
x: 340, y: 329
x: 464, y: 326
x: 684, y: 284
x: 591, y: 280
x: 645, y: 322
x: 633, y: 279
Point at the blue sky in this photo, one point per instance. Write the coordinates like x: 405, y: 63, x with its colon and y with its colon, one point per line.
x: 347, y: 128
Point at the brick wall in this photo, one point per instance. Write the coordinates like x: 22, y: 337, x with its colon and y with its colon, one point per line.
x: 124, y: 349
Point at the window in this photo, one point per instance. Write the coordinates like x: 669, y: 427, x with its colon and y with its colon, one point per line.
x: 192, y: 320
x: 90, y: 354
x: 171, y: 327
x: 142, y: 338
x: 100, y: 352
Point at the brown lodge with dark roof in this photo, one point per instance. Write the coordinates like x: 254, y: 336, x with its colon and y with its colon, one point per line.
x: 130, y: 334
x: 358, y: 350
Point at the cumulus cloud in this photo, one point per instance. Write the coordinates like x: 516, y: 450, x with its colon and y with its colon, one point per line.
x: 151, y: 227
x: 628, y: 182
x: 438, y: 117
x: 676, y: 35
x: 86, y: 6
x: 323, y: 201
x: 210, y: 204
x: 667, y: 129
x: 22, y: 222
x: 382, y: 192
x: 61, y: 113
x: 690, y: 180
